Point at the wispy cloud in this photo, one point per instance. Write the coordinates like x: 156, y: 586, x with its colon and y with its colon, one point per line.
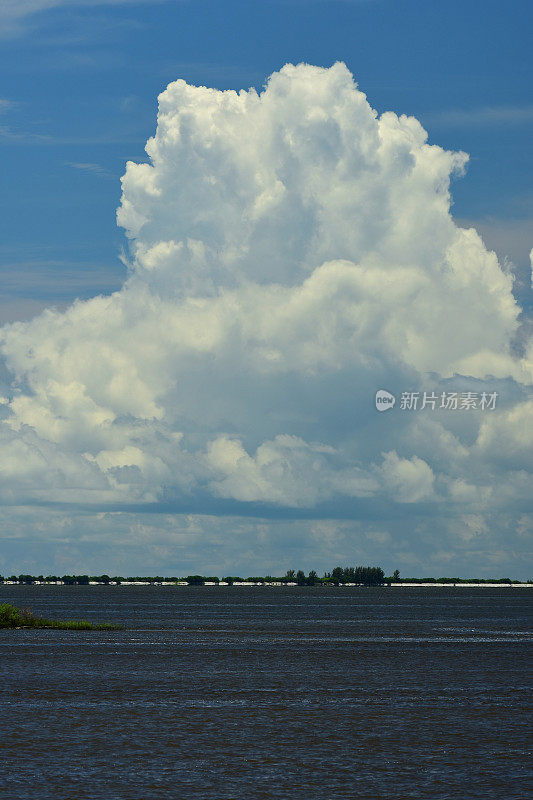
x: 13, y: 133
x: 28, y: 287
x: 11, y: 136
x: 58, y: 279
x: 95, y: 169
x: 16, y: 309
x: 8, y: 135
x: 486, y: 116
x: 14, y: 12
x: 129, y: 102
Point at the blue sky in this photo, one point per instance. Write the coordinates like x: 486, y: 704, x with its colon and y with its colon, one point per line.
x: 217, y: 413
x: 80, y: 80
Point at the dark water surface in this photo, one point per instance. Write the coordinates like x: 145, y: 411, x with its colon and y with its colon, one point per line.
x: 219, y: 693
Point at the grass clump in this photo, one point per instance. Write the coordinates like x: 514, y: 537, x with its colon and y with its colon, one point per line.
x: 13, y: 617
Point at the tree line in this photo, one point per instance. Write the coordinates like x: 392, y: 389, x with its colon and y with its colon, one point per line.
x: 360, y: 576
x: 366, y: 576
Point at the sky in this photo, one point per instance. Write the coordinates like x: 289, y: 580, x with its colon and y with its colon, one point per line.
x: 194, y: 333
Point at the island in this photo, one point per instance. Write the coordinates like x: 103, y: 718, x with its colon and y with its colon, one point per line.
x: 13, y: 617
x: 339, y: 576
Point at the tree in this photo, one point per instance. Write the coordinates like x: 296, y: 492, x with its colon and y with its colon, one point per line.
x: 300, y: 578
x: 312, y: 578
x: 290, y: 574
x: 337, y: 575
x: 396, y: 574
x: 195, y: 580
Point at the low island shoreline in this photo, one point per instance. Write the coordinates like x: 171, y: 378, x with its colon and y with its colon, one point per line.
x: 16, y: 618
x: 358, y: 577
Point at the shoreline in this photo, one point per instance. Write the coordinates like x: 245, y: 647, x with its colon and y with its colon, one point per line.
x: 519, y: 585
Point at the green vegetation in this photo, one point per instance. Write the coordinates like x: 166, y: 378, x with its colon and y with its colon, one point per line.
x: 13, y: 617
x: 368, y: 576
x: 360, y: 576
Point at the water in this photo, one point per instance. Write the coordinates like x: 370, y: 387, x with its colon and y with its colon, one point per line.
x: 233, y: 693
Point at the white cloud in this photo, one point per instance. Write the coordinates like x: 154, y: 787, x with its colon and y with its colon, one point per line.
x: 287, y: 471
x: 290, y: 253
x: 410, y: 480
x: 509, y: 436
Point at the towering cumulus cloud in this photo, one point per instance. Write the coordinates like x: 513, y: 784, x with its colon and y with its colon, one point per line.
x: 291, y: 252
